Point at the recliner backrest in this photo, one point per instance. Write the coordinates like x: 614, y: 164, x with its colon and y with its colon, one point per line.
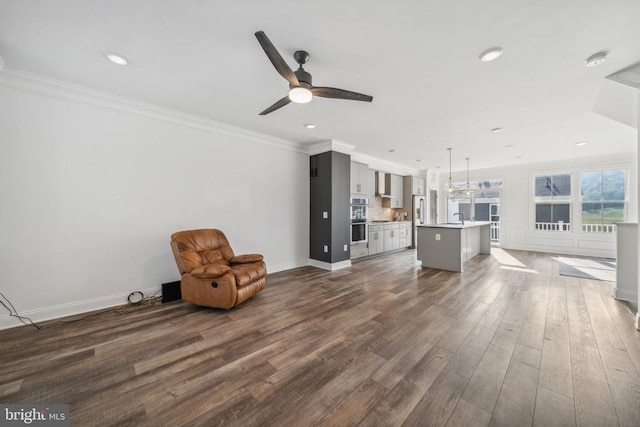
x: 193, y: 248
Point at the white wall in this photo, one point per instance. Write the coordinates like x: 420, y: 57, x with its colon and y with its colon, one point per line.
x: 91, y: 190
x: 637, y: 202
x: 517, y: 207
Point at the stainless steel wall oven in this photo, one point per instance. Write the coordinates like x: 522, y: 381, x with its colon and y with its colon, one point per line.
x: 359, y: 208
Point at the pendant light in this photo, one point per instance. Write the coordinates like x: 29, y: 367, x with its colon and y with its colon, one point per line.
x: 450, y: 185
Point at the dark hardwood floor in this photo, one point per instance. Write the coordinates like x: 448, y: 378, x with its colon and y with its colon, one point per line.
x: 385, y: 342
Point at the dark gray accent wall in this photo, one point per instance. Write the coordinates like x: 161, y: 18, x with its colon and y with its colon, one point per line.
x: 340, y: 206
x: 319, y: 201
x: 329, y: 176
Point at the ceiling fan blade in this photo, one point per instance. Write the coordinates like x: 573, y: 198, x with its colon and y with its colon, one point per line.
x: 275, y: 58
x: 332, y: 92
x: 279, y: 104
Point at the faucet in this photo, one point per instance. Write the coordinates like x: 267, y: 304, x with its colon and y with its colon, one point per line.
x: 461, y: 215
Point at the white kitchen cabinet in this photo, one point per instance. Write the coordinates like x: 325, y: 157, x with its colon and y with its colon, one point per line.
x: 403, y: 232
x: 368, y: 182
x: 391, y: 236
x: 355, y: 178
x: 362, y: 179
x: 376, y: 239
x: 397, y: 191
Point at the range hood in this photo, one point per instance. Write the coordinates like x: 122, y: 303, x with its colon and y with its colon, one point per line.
x: 383, y: 185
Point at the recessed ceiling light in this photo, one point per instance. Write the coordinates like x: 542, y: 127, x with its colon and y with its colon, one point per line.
x: 581, y: 143
x: 518, y: 157
x: 596, y: 59
x: 117, y: 59
x: 418, y: 160
x: 508, y: 146
x: 392, y: 150
x: 491, y: 54
x: 496, y: 130
x: 310, y: 126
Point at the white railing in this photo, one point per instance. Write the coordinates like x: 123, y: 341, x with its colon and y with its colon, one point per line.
x: 553, y: 226
x: 495, y: 231
x: 599, y: 228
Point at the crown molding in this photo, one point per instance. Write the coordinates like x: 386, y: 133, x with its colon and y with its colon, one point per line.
x: 384, y: 165
x: 372, y: 162
x: 612, y: 161
x: 35, y: 83
x: 65, y: 91
x: 330, y: 145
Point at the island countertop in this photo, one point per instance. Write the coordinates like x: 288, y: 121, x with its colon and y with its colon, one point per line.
x: 467, y: 224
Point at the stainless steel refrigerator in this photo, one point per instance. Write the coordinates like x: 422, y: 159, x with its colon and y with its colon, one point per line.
x: 418, y: 217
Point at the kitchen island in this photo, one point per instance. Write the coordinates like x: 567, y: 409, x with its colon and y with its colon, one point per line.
x: 448, y: 246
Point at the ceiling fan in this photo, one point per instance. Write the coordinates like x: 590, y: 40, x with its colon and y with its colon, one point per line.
x: 301, y: 89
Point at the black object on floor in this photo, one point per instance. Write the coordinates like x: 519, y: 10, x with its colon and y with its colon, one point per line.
x: 171, y: 291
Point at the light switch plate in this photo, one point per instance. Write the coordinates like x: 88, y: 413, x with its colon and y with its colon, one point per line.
x: 437, y: 237
x: 325, y: 215
x: 326, y: 248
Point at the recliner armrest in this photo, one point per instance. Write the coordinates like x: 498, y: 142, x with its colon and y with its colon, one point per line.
x: 243, y: 259
x: 210, y: 271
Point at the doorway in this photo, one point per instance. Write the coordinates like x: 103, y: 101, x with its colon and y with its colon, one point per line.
x: 494, y: 217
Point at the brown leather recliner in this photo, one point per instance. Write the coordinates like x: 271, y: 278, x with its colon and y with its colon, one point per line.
x: 212, y: 275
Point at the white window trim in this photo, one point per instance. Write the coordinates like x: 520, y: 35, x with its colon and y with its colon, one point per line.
x: 625, y: 201
x: 571, y: 202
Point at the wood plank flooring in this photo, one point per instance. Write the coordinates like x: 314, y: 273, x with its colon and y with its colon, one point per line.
x: 509, y: 342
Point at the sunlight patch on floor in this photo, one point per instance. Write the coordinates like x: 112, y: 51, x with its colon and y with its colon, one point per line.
x: 599, y: 269
x: 521, y: 269
x: 506, y: 258
x: 584, y: 263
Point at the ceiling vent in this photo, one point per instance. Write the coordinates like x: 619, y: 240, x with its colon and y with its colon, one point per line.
x: 630, y: 76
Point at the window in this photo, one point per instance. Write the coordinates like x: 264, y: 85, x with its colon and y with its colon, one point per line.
x: 603, y: 196
x: 553, y: 202
x: 473, y: 205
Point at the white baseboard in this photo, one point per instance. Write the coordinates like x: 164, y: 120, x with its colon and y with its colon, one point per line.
x: 79, y: 307
x: 638, y: 321
x: 69, y: 309
x: 625, y: 294
x: 274, y: 268
x: 329, y: 266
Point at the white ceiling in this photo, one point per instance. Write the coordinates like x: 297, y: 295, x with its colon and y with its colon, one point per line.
x: 418, y: 59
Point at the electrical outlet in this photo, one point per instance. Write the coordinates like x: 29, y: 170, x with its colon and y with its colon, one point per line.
x: 437, y: 237
x: 325, y: 215
x: 326, y: 248
x: 345, y: 248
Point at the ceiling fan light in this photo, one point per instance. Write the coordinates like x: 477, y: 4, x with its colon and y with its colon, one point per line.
x: 300, y: 95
